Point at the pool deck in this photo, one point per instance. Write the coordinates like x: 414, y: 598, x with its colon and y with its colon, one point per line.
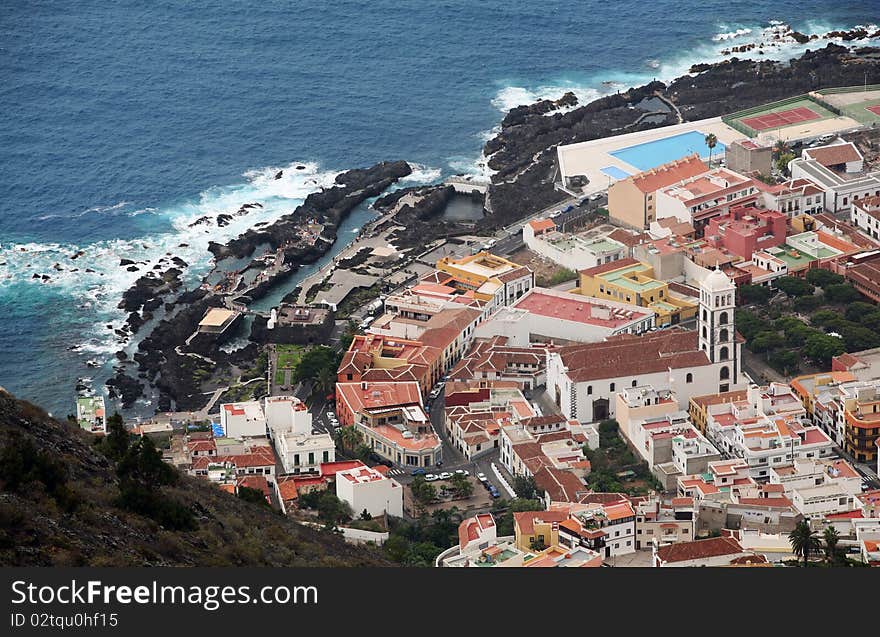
x: 588, y: 158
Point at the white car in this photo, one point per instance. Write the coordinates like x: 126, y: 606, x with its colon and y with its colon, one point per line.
x: 445, y: 475
x: 462, y: 472
x: 430, y: 477
x: 482, y: 477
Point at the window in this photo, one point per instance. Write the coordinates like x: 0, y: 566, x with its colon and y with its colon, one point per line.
x: 725, y: 373
x: 634, y: 383
x: 723, y: 335
x: 725, y: 353
x: 589, y: 389
x: 723, y: 318
x: 689, y: 378
x: 611, y: 387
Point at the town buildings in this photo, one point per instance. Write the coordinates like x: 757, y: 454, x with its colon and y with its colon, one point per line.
x: 571, y: 251
x: 631, y: 282
x: 486, y: 277
x: 552, y: 316
x: 701, y: 197
x: 632, y: 202
x: 391, y: 419
x: 838, y: 170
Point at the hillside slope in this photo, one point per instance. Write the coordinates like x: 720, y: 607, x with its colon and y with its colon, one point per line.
x: 36, y: 530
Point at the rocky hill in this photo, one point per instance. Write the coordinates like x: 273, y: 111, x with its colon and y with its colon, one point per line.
x: 59, y: 507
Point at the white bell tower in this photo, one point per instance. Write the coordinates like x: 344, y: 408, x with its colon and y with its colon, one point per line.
x: 716, y: 327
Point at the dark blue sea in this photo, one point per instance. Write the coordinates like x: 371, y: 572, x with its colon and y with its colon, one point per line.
x: 122, y: 122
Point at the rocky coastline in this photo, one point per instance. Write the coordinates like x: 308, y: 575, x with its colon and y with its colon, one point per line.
x: 163, y: 358
x: 522, y: 155
x: 523, y: 152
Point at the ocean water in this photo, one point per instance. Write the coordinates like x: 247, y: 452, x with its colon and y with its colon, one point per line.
x: 124, y: 122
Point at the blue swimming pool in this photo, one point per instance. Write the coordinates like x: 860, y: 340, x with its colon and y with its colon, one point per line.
x: 614, y: 172
x: 652, y: 154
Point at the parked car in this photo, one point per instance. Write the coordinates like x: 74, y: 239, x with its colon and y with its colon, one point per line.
x: 419, y: 472
x: 445, y: 475
x: 330, y: 416
x: 568, y: 208
x: 462, y: 472
x: 430, y: 477
x: 494, y: 493
x: 555, y: 214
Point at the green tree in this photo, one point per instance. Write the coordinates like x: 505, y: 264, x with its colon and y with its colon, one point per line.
x: 783, y: 161
x: 780, y: 148
x: 754, y: 294
x: 349, y: 437
x: 831, y: 537
x: 462, y: 486
x: 313, y: 361
x: 525, y: 488
x: 423, y: 491
x: 766, y: 341
x: 793, y: 286
x: 822, y: 348
x: 115, y: 443
x: 807, y: 303
x: 857, y: 312
x: 786, y: 362
x: 824, y: 316
x: 822, y: 278
x: 711, y: 142
x: 803, y: 541
x: 332, y: 510
x: 325, y: 382
x: 842, y: 293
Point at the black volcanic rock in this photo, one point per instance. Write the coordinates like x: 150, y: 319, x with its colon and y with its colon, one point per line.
x: 524, y: 152
x: 329, y: 206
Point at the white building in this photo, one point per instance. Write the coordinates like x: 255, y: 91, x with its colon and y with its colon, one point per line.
x: 287, y: 414
x: 865, y: 216
x: 570, y: 250
x: 838, y: 169
x: 304, y: 453
x: 243, y: 420
x: 366, y: 489
x: 545, y: 315
x: 710, y: 194
x: 582, y: 379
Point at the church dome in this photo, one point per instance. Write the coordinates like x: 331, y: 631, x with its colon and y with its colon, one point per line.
x: 717, y: 281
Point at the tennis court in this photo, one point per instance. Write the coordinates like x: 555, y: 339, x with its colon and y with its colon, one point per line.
x: 782, y: 118
x: 874, y: 109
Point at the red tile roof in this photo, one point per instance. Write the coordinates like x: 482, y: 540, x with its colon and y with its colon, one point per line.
x: 539, y: 225
x: 628, y: 355
x: 834, y: 155
x: 699, y: 549
x: 667, y: 174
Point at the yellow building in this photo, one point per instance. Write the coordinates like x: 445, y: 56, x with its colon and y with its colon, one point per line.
x: 486, y: 277
x: 535, y: 530
x: 630, y: 281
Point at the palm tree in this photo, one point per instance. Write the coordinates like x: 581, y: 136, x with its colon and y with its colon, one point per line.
x: 780, y: 148
x: 803, y: 540
x: 831, y: 537
x: 326, y: 380
x: 350, y: 437
x: 711, y: 141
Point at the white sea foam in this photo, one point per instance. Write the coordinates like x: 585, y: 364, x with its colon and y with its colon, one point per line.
x: 422, y: 174
x: 772, y: 35
x: 94, y: 281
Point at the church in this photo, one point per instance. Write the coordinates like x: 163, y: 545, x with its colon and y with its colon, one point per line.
x: 583, y: 379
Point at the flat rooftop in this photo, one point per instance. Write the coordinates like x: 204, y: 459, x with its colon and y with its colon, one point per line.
x: 579, y: 309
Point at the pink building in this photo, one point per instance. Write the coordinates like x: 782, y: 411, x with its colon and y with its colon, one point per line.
x: 743, y: 230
